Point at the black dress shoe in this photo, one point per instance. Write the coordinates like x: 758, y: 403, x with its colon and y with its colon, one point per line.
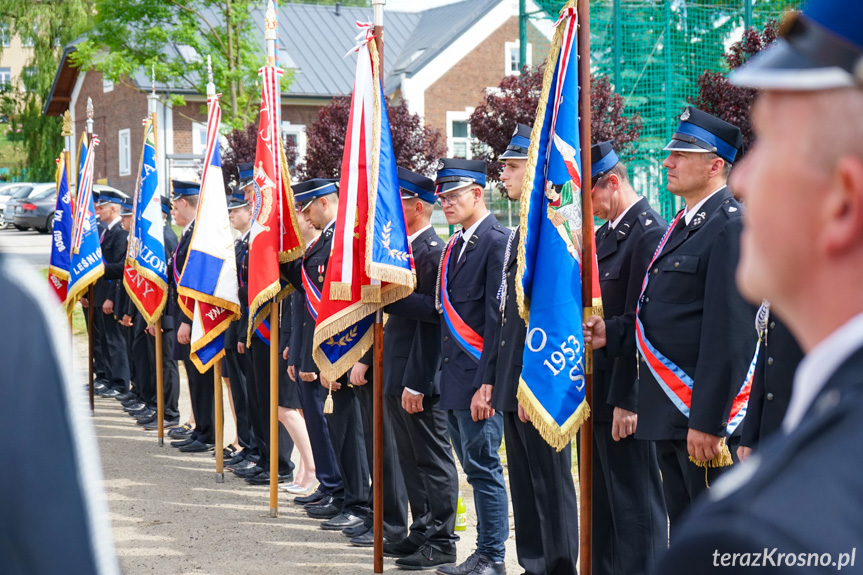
x: 139, y: 412
x: 182, y: 442
x: 426, y: 557
x: 249, y: 471
x: 244, y: 465
x: 264, y: 478
x: 322, y: 502
x: 240, y: 457
x: 366, y: 539
x: 355, y: 531
x: 197, y: 447
x: 485, y: 566
x: 129, y: 402
x: 310, y: 498
x: 341, y: 521
x: 146, y: 415
x: 134, y: 406
x: 180, y: 432
x: 154, y: 425
x: 325, y: 512
x: 124, y: 397
x: 109, y: 393
x: 147, y: 420
x: 402, y: 548
x: 462, y: 568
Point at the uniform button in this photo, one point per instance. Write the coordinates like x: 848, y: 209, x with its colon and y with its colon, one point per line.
x: 769, y: 361
x: 446, y: 360
x: 677, y: 264
x: 446, y: 338
x: 509, y: 274
x: 304, y: 324
x: 772, y: 325
x: 769, y: 397
x: 607, y: 274
x: 503, y: 321
x: 655, y: 271
x: 468, y: 295
x: 647, y: 300
x: 503, y: 343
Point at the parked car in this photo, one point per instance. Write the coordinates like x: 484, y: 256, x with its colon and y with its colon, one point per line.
x: 36, y: 210
x: 7, y: 191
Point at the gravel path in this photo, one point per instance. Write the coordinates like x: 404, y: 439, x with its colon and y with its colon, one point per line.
x: 170, y: 516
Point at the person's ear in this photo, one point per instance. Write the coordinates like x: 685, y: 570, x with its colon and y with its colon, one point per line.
x: 842, y: 207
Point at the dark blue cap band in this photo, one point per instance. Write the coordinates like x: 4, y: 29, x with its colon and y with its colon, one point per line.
x: 477, y: 177
x: 723, y: 149
x: 604, y: 164
x: 247, y: 174
x: 421, y: 193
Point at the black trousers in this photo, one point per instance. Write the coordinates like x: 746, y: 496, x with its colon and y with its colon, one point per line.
x: 142, y: 370
x: 258, y: 386
x: 233, y: 370
x: 428, y: 468
x: 630, y: 527
x: 395, y: 495
x: 202, y: 394
x: 682, y: 480
x: 346, y: 435
x: 115, y: 353
x: 326, y: 466
x: 170, y: 376
x: 544, y: 505
x: 98, y: 359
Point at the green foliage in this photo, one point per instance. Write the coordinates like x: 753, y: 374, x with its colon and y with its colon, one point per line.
x: 49, y: 26
x: 177, y: 36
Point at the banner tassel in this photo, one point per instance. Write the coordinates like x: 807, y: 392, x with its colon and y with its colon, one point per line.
x: 723, y: 459
x: 328, y: 403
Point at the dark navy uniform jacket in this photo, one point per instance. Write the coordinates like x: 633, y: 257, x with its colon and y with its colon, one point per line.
x: 315, y: 264
x: 236, y: 331
x: 623, y: 255
x: 113, y: 252
x: 693, y: 313
x: 473, y: 283
x: 179, y: 257
x: 800, y: 493
x: 412, y: 346
x: 772, y: 384
x: 507, y: 345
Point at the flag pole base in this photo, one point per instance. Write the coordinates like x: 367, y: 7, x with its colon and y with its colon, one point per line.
x: 274, y: 512
x: 220, y: 478
x: 161, y: 442
x: 92, y: 413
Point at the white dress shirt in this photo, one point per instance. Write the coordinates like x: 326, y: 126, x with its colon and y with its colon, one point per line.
x: 619, y: 218
x: 467, y: 233
x: 689, y: 214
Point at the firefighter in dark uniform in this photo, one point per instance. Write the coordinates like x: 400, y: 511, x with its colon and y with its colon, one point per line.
x: 185, y: 204
x: 345, y: 506
x: 695, y: 329
x: 113, y: 239
x: 544, y: 503
x: 469, y: 278
x: 629, y: 521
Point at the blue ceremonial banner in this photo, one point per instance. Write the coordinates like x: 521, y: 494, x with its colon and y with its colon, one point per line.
x: 552, y: 386
x: 146, y: 272
x: 61, y: 241
x: 86, y: 264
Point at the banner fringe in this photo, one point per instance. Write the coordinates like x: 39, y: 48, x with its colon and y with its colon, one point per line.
x: 202, y: 368
x: 392, y: 274
x: 259, y: 308
x: 340, y: 291
x: 723, y: 459
x: 370, y: 294
x: 288, y: 211
x: 333, y: 371
x: 555, y: 435
x: 80, y: 287
x: 231, y: 307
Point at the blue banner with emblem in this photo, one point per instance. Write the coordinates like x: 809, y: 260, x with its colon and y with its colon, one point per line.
x: 58, y: 267
x: 552, y: 386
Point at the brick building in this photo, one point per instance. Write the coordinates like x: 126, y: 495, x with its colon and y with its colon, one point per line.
x: 440, y: 61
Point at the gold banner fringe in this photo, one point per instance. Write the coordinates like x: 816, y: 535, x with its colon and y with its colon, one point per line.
x: 148, y: 275
x: 333, y: 371
x: 259, y: 308
x: 723, y: 459
x: 393, y: 275
x: 288, y: 209
x: 340, y: 291
x: 202, y: 368
x: 557, y: 436
x: 231, y: 307
x: 76, y: 292
x: 370, y: 294
x: 58, y: 273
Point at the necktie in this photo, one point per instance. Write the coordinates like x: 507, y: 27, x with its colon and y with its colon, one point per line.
x: 459, y: 246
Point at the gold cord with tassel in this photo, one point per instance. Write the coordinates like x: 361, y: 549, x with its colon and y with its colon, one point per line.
x: 328, y: 403
x: 723, y: 459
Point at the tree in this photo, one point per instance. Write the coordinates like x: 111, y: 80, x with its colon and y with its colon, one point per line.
x: 515, y: 101
x: 177, y: 36
x: 717, y: 96
x: 416, y: 147
x: 47, y: 26
x: 239, y: 147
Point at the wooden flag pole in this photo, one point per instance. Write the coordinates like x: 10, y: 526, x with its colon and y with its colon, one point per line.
x: 220, y: 424
x: 585, y: 456
x: 152, y: 99
x: 90, y: 292
x: 378, y: 354
x: 271, y: 33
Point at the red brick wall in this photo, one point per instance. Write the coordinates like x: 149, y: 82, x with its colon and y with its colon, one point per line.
x: 122, y: 108
x: 301, y: 114
x: 183, y: 117
x: 463, y: 86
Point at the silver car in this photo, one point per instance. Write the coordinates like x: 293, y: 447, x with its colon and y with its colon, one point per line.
x: 7, y: 191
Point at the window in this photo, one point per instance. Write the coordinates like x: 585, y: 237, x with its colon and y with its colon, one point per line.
x: 107, y: 85
x: 295, y: 133
x: 29, y: 77
x: 5, y: 38
x: 29, y: 40
x: 199, y: 138
x: 458, y: 136
x: 512, y: 66
x: 5, y: 78
x: 125, y: 153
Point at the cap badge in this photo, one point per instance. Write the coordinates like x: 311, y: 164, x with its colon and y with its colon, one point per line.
x: 685, y: 115
x: 440, y: 165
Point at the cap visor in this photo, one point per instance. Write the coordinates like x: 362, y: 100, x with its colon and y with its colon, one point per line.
x: 512, y: 155
x: 781, y: 67
x: 452, y: 186
x: 682, y: 146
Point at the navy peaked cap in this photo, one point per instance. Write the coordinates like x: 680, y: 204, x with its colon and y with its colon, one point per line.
x: 519, y: 144
x: 415, y: 185
x: 455, y: 173
x: 701, y: 132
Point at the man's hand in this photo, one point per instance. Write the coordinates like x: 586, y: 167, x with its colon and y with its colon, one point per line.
x: 623, y: 423
x: 743, y: 453
x: 151, y: 329
x: 480, y: 405
x: 308, y: 375
x: 327, y: 384
x: 412, y: 402
x: 703, y: 446
x: 285, y: 354
x: 594, y: 332
x: 127, y: 320
x: 184, y: 334
x: 522, y: 414
x: 241, y: 348
x: 292, y: 372
x: 85, y: 303
x: 108, y: 307
x: 358, y: 373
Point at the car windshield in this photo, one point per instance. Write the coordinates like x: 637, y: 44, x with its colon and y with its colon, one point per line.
x: 20, y: 192
x: 48, y: 192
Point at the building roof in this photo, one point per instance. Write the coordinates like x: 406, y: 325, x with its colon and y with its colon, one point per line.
x: 313, y: 41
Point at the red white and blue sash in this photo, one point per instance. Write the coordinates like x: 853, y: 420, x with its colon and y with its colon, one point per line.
x: 469, y: 340
x: 676, y: 384
x: 313, y: 294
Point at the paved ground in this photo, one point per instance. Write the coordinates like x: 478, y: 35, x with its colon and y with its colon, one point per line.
x: 34, y: 247
x: 170, y: 517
